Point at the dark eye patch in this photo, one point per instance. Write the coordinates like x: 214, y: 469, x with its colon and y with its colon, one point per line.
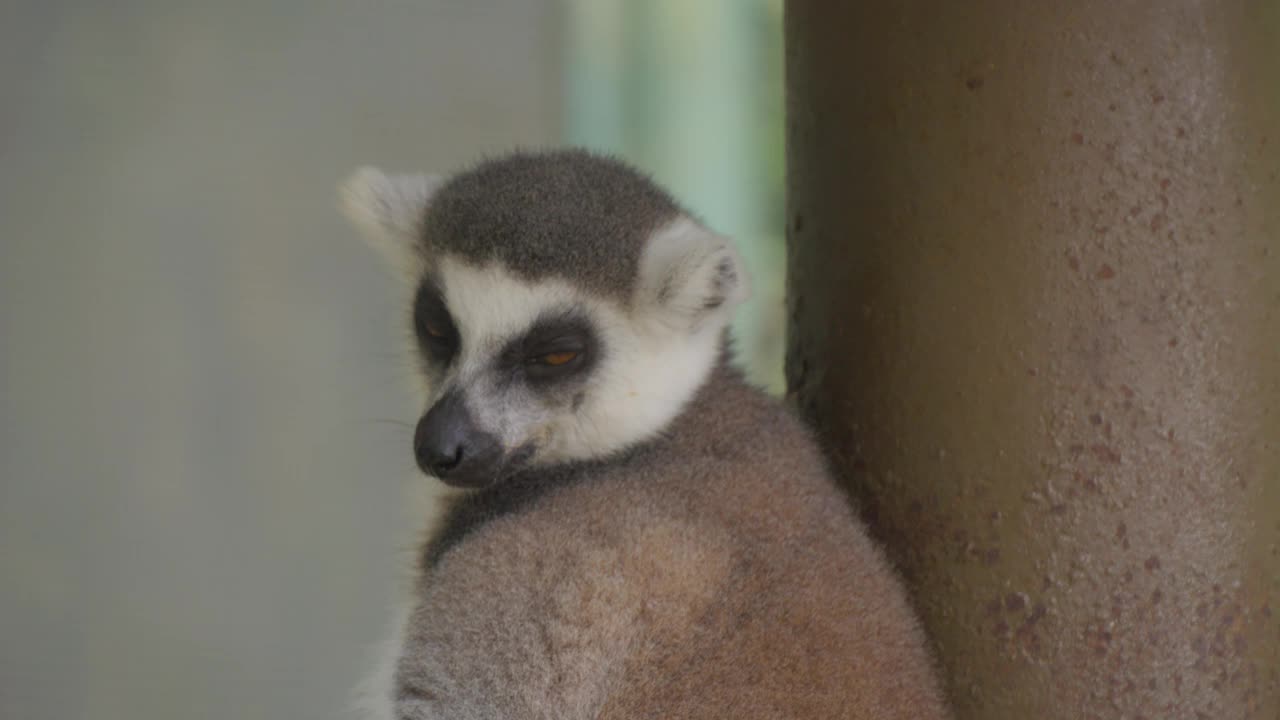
x: 432, y: 324
x: 558, y: 346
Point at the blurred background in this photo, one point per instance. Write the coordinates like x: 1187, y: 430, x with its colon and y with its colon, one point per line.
x: 207, y: 497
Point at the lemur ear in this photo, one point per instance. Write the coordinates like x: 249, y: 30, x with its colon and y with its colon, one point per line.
x: 388, y: 210
x: 693, y: 275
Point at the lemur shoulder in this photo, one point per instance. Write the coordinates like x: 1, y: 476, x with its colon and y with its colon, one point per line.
x: 644, y: 534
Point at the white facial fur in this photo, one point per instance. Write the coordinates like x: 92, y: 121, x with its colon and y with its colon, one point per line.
x: 656, y: 350
x: 651, y: 365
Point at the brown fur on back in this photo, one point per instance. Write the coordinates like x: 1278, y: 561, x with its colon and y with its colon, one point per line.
x: 716, y: 572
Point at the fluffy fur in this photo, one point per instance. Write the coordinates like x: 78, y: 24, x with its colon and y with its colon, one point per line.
x: 389, y: 211
x: 669, y: 543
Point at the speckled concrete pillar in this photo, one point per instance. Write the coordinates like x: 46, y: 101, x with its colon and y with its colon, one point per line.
x: 1034, y: 277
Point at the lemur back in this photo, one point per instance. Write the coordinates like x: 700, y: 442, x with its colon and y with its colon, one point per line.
x: 645, y: 535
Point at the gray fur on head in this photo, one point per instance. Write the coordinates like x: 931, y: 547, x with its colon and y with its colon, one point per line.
x: 568, y: 213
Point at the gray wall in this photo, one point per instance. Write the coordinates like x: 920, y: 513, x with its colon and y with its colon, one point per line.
x: 201, y: 511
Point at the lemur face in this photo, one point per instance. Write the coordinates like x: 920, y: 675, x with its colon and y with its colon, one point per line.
x: 509, y: 364
x: 537, y: 372
x: 539, y: 343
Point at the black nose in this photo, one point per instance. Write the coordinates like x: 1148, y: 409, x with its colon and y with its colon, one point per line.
x: 448, y: 445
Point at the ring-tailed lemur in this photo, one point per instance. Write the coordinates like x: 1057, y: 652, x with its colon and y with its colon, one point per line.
x: 645, y: 535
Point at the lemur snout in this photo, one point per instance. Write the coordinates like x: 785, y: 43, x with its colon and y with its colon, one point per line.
x: 448, y: 445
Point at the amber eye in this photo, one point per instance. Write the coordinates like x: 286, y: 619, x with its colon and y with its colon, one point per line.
x: 433, y: 330
x: 557, y: 359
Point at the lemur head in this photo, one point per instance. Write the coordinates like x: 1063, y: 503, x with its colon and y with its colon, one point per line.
x: 565, y: 308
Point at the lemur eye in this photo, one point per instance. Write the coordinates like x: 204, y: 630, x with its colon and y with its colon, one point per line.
x: 432, y: 323
x: 557, y: 359
x: 558, y: 346
x: 433, y: 329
